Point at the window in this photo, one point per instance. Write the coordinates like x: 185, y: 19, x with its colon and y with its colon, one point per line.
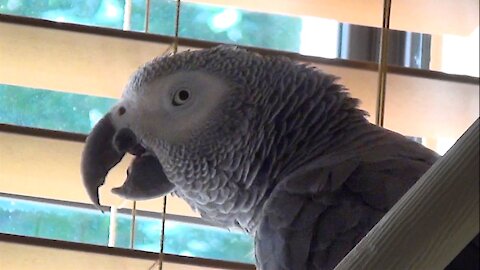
x: 54, y: 220
x: 237, y: 25
x: 79, y: 113
x: 60, y: 79
x: 52, y: 110
x: 406, y: 49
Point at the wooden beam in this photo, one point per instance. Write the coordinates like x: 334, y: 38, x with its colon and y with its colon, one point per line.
x: 433, y: 221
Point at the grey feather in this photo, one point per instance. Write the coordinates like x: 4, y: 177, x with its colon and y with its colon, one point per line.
x: 272, y: 147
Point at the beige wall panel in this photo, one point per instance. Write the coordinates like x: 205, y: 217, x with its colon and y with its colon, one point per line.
x: 68, y: 61
x: 415, y: 106
x: 429, y: 108
x: 20, y: 257
x: 436, y: 53
x: 459, y: 17
x: 48, y: 168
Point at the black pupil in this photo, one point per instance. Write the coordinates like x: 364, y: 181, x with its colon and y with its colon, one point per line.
x: 183, y: 95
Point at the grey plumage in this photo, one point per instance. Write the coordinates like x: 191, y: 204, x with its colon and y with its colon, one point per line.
x: 273, y: 147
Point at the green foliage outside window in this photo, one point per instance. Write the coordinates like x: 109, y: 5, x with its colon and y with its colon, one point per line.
x: 51, y: 221
x: 197, y: 21
x: 67, y: 223
x: 46, y: 109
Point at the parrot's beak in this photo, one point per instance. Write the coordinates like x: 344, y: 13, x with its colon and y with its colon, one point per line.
x: 145, y: 180
x: 104, y: 148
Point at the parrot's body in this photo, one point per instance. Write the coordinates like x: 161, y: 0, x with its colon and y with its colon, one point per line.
x: 272, y: 147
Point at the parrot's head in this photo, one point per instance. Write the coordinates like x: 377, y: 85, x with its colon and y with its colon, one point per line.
x: 171, y: 105
x: 216, y: 120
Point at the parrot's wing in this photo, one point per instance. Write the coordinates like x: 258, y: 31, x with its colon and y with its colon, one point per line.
x: 316, y: 215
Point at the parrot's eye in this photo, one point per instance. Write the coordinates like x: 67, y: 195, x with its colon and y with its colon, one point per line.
x: 121, y: 111
x: 180, y: 97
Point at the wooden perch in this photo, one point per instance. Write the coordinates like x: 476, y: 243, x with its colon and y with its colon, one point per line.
x: 433, y: 221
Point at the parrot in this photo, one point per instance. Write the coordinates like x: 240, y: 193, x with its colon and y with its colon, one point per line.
x: 273, y: 147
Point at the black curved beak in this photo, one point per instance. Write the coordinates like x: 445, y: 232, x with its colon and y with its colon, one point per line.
x: 104, y: 148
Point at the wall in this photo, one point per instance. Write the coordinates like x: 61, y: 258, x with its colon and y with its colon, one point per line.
x: 70, y: 62
x: 20, y: 257
x: 48, y: 168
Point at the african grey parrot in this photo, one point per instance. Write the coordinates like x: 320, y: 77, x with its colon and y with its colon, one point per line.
x: 273, y: 147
